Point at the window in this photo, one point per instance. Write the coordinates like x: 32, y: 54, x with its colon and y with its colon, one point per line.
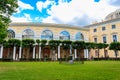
x: 47, y: 34
x: 79, y: 36
x: 103, y: 28
x: 64, y: 35
x: 104, y: 39
x: 11, y: 34
x: 95, y: 40
x: 114, y: 38
x: 28, y: 33
x: 95, y: 30
x: 113, y: 26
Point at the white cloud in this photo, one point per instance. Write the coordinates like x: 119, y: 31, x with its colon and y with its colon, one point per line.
x: 40, y: 5
x: 23, y: 6
x: 77, y: 11
x: 114, y: 2
x: 25, y: 18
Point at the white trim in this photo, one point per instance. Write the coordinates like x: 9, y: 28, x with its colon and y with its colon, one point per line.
x: 45, y: 30
x: 34, y: 34
x: 63, y: 31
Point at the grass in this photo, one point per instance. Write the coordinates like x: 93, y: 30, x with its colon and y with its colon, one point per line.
x: 91, y: 70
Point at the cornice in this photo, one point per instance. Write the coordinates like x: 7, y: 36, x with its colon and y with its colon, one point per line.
x: 103, y: 23
x: 37, y: 24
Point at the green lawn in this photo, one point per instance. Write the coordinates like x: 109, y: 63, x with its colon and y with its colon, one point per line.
x: 91, y: 70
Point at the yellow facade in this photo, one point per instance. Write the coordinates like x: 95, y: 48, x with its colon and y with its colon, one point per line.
x: 106, y: 31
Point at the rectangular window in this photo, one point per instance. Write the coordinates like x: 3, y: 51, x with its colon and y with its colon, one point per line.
x: 95, y: 40
x: 103, y: 28
x: 95, y: 30
x: 104, y: 39
x: 114, y: 38
x: 113, y: 26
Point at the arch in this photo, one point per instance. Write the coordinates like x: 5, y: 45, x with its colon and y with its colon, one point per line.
x: 64, y: 35
x: 47, y: 34
x: 79, y: 36
x: 11, y: 34
x: 27, y: 33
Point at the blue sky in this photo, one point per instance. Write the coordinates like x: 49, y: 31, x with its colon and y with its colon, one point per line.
x: 72, y: 12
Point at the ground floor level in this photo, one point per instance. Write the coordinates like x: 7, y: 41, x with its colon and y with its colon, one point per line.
x: 38, y: 53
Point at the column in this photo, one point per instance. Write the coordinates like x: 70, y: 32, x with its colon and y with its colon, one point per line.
x: 39, y: 52
x: 86, y: 53
x: 20, y: 52
x: 75, y: 51
x: 58, y: 52
x: 1, y: 52
x: 33, y: 52
x: 14, y: 52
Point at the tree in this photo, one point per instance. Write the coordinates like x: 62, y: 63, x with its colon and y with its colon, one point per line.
x: 53, y: 46
x: 89, y: 46
x: 39, y: 50
x: 105, y: 46
x: 14, y: 43
x: 43, y: 44
x: 28, y: 44
x: 98, y: 46
x: 116, y: 47
x: 7, y: 8
x: 80, y: 45
x: 66, y: 46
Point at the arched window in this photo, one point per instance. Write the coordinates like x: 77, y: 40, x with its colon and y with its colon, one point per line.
x: 64, y: 35
x: 47, y: 34
x: 11, y: 34
x: 28, y: 33
x: 79, y: 36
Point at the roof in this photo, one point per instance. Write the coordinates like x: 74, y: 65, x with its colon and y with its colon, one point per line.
x: 38, y: 24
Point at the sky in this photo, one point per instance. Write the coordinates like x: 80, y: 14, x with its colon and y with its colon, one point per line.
x: 71, y: 12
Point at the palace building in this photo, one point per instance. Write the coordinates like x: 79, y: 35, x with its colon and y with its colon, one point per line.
x: 106, y: 31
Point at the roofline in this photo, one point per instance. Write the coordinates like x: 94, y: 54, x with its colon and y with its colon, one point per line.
x: 47, y: 25
x: 104, y: 22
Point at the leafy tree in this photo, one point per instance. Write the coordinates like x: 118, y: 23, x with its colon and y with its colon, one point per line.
x: 7, y: 8
x: 53, y: 46
x: 66, y: 46
x: 89, y: 46
x: 116, y: 47
x: 43, y: 43
x: 105, y: 46
x: 38, y: 43
x: 79, y: 45
x: 28, y: 43
x: 98, y: 46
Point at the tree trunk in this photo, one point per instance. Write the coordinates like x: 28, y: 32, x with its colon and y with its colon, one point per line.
x: 105, y: 54
x: 98, y: 54
x: 116, y: 53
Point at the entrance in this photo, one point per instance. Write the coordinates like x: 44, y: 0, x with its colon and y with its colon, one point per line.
x: 46, y: 53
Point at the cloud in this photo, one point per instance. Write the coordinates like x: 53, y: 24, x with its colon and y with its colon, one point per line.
x: 40, y: 5
x: 25, y: 18
x: 114, y: 2
x: 23, y: 6
x: 79, y: 12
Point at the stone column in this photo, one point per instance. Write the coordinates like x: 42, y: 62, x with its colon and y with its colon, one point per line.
x: 20, y: 52
x: 58, y: 52
x: 33, y: 52
x: 14, y: 52
x: 1, y: 52
x: 75, y: 51
x: 85, y: 53
x: 39, y: 52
